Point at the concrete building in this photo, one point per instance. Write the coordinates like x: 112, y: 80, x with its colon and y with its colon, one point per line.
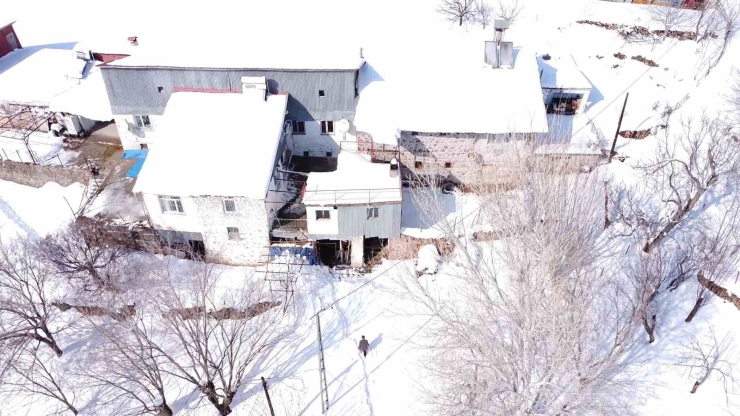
x: 321, y: 103
x: 353, y: 208
x: 213, y: 182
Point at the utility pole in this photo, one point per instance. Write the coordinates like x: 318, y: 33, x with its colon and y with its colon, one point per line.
x: 619, y: 126
x: 322, y: 369
x: 269, y: 402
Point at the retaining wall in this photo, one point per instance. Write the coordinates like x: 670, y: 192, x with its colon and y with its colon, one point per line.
x: 37, y: 176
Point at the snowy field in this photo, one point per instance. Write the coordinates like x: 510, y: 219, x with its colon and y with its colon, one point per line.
x: 392, y: 379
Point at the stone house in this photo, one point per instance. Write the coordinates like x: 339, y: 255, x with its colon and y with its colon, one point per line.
x: 214, y: 181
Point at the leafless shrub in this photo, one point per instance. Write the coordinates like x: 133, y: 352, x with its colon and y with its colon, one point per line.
x: 458, y: 11
x: 669, y: 15
x: 82, y: 254
x: 483, y: 13
x: 215, y: 355
x: 733, y: 97
x: 26, y: 313
x: 508, y: 10
x: 685, y: 167
x: 702, y: 359
x: 725, y: 22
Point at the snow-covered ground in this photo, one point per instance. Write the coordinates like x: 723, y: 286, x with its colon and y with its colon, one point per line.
x: 387, y: 382
x: 36, y: 212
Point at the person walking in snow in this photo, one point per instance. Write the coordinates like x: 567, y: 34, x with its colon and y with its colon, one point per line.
x: 364, y: 346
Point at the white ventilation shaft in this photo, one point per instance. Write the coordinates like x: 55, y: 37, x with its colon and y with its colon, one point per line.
x: 255, y: 87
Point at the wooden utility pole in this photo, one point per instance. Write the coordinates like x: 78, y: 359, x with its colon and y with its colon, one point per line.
x: 267, y: 393
x: 619, y: 126
x: 322, y: 369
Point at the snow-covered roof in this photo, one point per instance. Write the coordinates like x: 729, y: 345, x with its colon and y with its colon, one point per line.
x: 268, y: 54
x: 35, y: 75
x: 89, y: 99
x: 220, y: 144
x: 5, y: 23
x: 561, y: 72
x: 454, y: 94
x: 356, y: 181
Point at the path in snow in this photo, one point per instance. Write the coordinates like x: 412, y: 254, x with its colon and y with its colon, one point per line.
x: 367, y: 389
x: 15, y: 219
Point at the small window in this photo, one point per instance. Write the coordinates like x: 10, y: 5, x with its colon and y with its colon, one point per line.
x: 171, y: 204
x: 448, y: 165
x: 142, y: 121
x: 372, y: 212
x: 329, y: 154
x: 323, y: 214
x: 418, y: 164
x: 321, y: 93
x: 144, y: 146
x: 299, y: 127
x: 305, y: 153
x: 233, y: 233
x: 229, y: 205
x: 327, y: 127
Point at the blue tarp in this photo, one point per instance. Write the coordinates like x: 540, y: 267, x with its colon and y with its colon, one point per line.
x: 307, y: 252
x: 135, y: 154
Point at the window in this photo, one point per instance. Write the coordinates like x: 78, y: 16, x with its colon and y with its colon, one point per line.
x: 321, y: 93
x: 418, y: 165
x: 329, y: 154
x: 171, y: 204
x: 299, y: 127
x: 229, y: 205
x: 323, y: 214
x: 12, y: 41
x: 142, y: 121
x: 233, y: 233
x: 372, y: 212
x: 327, y: 127
x: 144, y: 146
x: 305, y: 153
x: 448, y: 165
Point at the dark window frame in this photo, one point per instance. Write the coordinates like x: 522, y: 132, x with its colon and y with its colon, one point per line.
x: 299, y: 127
x: 373, y: 212
x: 233, y: 233
x: 327, y: 127
x: 323, y: 214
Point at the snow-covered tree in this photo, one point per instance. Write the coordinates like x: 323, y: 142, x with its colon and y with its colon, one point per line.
x: 704, y: 359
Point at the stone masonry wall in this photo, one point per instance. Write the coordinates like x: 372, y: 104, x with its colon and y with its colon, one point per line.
x: 36, y: 176
x: 250, y: 219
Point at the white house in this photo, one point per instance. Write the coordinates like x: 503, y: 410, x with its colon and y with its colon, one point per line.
x: 359, y: 201
x: 564, y: 87
x: 213, y: 182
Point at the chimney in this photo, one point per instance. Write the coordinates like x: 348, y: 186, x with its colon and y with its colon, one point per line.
x: 394, y: 168
x: 255, y: 87
x: 133, y: 40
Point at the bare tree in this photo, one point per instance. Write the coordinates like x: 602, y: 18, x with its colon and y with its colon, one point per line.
x: 706, y: 20
x: 26, y: 313
x: 733, y: 97
x: 131, y: 363
x: 458, y: 11
x: 704, y: 359
x: 508, y: 10
x: 483, y: 13
x: 715, y: 250
x: 725, y: 22
x: 219, y: 333
x: 83, y: 254
x: 669, y: 14
x: 535, y: 325
x: 685, y: 167
x: 33, y: 375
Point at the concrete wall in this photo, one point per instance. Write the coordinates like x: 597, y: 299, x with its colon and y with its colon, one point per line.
x: 36, y: 176
x: 323, y: 226
x: 206, y: 215
x: 133, y: 137
x: 318, y: 144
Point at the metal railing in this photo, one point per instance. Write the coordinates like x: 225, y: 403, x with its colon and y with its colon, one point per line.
x: 351, y: 196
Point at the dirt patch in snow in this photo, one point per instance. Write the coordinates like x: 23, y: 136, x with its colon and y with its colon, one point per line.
x: 635, y: 134
x: 635, y: 32
x: 648, y: 62
x: 620, y: 55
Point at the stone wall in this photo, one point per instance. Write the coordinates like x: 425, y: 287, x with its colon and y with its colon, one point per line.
x: 251, y: 220
x: 37, y: 176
